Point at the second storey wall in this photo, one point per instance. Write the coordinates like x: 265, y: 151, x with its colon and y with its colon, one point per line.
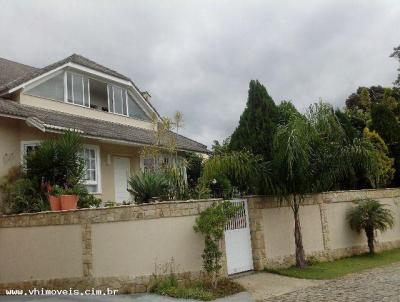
x: 59, y: 106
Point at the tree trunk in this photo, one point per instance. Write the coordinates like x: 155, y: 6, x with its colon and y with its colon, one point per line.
x: 371, y: 238
x: 300, y: 257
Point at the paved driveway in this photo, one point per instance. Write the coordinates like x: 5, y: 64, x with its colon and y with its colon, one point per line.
x: 380, y: 285
x: 241, y: 297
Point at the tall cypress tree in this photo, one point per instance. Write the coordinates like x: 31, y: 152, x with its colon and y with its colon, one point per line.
x: 257, y: 123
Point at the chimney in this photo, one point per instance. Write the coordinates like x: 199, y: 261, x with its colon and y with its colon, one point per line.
x: 146, y: 95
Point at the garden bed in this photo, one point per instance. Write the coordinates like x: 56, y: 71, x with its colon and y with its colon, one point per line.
x: 198, y: 290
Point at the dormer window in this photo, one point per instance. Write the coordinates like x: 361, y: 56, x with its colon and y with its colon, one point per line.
x: 82, y: 90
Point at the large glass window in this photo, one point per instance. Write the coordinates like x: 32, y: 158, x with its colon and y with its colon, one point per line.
x: 134, y: 110
x: 91, y: 157
x: 117, y: 99
x: 78, y: 89
x: 52, y: 88
x: 84, y: 91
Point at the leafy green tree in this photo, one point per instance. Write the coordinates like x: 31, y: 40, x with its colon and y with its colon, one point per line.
x: 286, y: 109
x: 370, y: 215
x: 257, y: 123
x: 385, y: 123
x: 382, y: 171
x: 193, y: 168
x: 311, y: 154
x: 245, y: 171
x: 220, y: 148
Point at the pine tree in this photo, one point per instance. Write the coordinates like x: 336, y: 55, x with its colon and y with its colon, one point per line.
x: 257, y: 123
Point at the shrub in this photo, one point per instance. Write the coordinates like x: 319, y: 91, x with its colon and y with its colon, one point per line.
x: 24, y: 197
x: 148, y: 186
x: 177, y: 184
x: 57, y: 161
x: 20, y: 194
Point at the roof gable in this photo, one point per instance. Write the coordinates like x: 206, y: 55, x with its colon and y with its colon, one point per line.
x: 33, y: 73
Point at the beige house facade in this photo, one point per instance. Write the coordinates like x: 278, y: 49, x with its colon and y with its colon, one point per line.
x: 114, y: 117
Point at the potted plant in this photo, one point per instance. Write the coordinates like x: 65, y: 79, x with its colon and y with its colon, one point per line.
x: 54, y: 198
x: 69, y: 199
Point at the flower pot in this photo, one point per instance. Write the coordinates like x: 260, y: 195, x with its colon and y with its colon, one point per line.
x: 69, y: 202
x: 55, y: 203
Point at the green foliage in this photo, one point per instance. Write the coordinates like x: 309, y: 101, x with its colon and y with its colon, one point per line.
x: 286, y: 110
x: 177, y: 184
x: 244, y: 171
x: 193, y: 169
x: 57, y: 161
x: 370, y: 215
x: 148, y: 186
x: 220, y: 149
x: 23, y: 197
x: 382, y: 170
x: 211, y: 223
x: 257, y: 123
x: 312, y: 153
x: 168, y: 285
x: 385, y: 123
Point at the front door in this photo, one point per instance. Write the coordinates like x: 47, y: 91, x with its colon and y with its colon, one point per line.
x: 121, y: 176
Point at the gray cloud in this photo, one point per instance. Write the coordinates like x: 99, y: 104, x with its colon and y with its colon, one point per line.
x: 198, y: 56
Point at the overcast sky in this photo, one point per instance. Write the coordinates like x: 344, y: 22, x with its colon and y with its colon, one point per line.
x: 199, y: 56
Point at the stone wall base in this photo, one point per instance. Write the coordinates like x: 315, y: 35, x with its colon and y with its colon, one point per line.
x: 329, y: 255
x: 124, y: 285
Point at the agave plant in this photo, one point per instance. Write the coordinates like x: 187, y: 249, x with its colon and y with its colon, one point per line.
x: 370, y: 215
x: 147, y: 186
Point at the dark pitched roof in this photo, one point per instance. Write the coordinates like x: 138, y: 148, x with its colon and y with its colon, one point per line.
x: 10, y: 71
x: 48, y: 119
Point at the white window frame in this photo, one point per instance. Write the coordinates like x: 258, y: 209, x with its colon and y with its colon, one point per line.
x: 123, y: 93
x: 25, y: 145
x: 98, y: 169
x: 87, y: 95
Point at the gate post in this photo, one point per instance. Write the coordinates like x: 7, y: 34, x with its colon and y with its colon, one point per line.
x: 255, y: 207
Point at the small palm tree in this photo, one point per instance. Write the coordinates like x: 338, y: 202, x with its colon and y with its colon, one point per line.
x: 370, y: 215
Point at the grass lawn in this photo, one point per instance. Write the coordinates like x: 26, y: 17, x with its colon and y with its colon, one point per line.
x: 341, y: 267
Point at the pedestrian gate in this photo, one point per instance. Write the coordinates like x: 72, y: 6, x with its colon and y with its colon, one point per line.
x: 237, y: 240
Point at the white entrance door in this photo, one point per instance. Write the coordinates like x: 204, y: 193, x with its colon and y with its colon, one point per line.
x: 237, y: 241
x: 121, y: 176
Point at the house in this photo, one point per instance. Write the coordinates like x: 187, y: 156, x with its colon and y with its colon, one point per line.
x: 107, y: 108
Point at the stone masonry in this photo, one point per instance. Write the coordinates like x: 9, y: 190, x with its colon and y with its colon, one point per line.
x: 258, y: 204
x: 87, y: 217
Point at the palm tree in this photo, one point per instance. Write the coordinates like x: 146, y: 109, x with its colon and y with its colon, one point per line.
x: 370, y: 215
x: 311, y: 153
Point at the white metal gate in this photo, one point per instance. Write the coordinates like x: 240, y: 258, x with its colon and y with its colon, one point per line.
x: 237, y: 240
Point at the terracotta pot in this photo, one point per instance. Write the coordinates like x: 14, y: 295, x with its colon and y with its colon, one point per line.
x: 55, y: 203
x: 69, y: 202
